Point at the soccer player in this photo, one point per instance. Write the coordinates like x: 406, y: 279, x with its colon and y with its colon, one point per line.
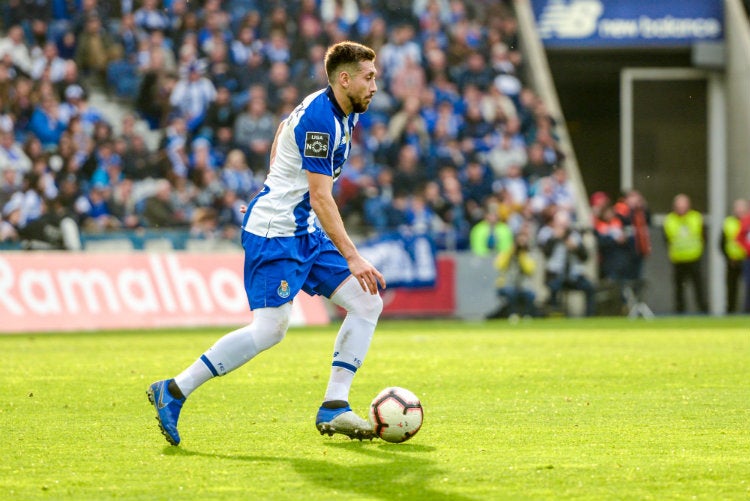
x: 287, y: 249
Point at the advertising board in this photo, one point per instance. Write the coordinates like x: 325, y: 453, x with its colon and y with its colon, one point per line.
x: 627, y: 23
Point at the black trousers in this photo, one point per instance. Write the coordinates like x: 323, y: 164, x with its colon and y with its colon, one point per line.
x: 734, y: 277
x: 685, y: 273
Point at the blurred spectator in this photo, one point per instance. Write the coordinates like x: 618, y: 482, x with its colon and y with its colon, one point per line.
x: 516, y: 187
x: 352, y: 185
x: 564, y: 196
x: 475, y: 71
x: 515, y: 288
x: 614, y: 251
x: 633, y: 211
x: 246, y: 44
x: 10, y: 183
x: 14, y: 52
x: 174, y: 148
x: 153, y: 99
x: 537, y: 165
x: 543, y: 198
x: 420, y: 216
x: 45, y: 122
x: 477, y: 187
x: 743, y: 238
x: 379, y: 144
x: 139, y: 163
x: 565, y: 256
x: 237, y: 176
x: 409, y: 81
x: 12, y: 156
x: 155, y: 52
x: 409, y: 175
x: 48, y: 64
x: 94, y: 48
x: 400, y: 47
x: 123, y: 204
x: 599, y: 201
x: 254, y: 130
x: 683, y: 230
x: 490, y: 235
x: 66, y: 45
x: 94, y: 210
x: 128, y: 36
x: 220, y: 113
x: 76, y: 105
x: 454, y: 214
x: 342, y: 13
x: 107, y: 165
x: 507, y: 152
x: 229, y: 216
x: 407, y: 125
x: 192, y: 95
x: 379, y: 198
x: 733, y: 252
x: 148, y: 17
x: 159, y: 211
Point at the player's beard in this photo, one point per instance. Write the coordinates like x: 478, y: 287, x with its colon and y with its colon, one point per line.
x: 359, y: 105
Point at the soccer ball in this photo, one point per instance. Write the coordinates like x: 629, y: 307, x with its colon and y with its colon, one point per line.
x: 396, y: 414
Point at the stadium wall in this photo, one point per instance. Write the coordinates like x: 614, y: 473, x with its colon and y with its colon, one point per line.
x: 738, y: 94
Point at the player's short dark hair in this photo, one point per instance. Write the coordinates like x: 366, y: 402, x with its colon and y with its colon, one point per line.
x: 348, y: 55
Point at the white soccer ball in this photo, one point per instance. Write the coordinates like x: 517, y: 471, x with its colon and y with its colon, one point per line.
x: 396, y: 414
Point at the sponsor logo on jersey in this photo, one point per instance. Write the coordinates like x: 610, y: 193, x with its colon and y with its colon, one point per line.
x: 316, y: 144
x: 283, y: 290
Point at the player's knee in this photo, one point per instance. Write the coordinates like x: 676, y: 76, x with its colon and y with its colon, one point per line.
x: 368, y: 306
x: 273, y: 334
x: 271, y: 325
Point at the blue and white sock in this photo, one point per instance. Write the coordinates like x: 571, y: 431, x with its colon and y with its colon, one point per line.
x: 237, y: 348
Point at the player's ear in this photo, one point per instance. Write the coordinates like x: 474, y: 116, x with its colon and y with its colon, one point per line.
x: 344, y: 79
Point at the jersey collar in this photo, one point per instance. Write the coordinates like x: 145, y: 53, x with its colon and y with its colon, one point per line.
x: 336, y: 106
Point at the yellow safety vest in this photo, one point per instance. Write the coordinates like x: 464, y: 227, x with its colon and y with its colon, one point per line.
x: 684, y: 236
x: 733, y: 249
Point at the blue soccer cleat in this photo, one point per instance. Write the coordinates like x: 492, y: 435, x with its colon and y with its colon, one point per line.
x: 343, y: 420
x: 167, y: 409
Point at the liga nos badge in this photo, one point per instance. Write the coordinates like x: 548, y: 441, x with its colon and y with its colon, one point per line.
x: 316, y: 144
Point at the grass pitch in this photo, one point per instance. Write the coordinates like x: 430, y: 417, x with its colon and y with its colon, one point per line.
x: 559, y: 409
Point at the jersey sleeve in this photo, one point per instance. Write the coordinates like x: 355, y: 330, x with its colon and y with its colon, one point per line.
x: 315, y: 136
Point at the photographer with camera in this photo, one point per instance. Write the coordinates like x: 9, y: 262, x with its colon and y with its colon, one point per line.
x: 565, y: 254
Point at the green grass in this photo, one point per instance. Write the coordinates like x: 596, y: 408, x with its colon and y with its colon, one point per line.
x: 597, y: 409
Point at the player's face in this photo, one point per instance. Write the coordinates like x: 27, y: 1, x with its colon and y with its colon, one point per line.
x: 362, y: 86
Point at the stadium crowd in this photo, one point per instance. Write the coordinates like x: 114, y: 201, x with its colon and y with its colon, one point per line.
x: 454, y: 144
x: 453, y: 132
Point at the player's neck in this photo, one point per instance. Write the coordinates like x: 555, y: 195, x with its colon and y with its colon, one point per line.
x: 340, y: 100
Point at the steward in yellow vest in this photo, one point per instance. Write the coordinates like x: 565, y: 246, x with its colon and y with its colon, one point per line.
x: 683, y: 229
x: 684, y: 234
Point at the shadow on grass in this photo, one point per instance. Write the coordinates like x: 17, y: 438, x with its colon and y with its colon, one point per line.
x: 398, y: 470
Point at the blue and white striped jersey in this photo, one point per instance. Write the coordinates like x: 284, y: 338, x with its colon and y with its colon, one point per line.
x: 315, y: 137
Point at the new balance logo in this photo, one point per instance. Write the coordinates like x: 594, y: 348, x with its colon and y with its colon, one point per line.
x: 570, y: 18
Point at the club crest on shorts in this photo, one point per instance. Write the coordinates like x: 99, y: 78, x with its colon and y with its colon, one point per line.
x: 316, y: 144
x: 283, y: 290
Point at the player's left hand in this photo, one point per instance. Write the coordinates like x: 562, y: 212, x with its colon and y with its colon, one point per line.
x: 243, y: 208
x: 366, y: 274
